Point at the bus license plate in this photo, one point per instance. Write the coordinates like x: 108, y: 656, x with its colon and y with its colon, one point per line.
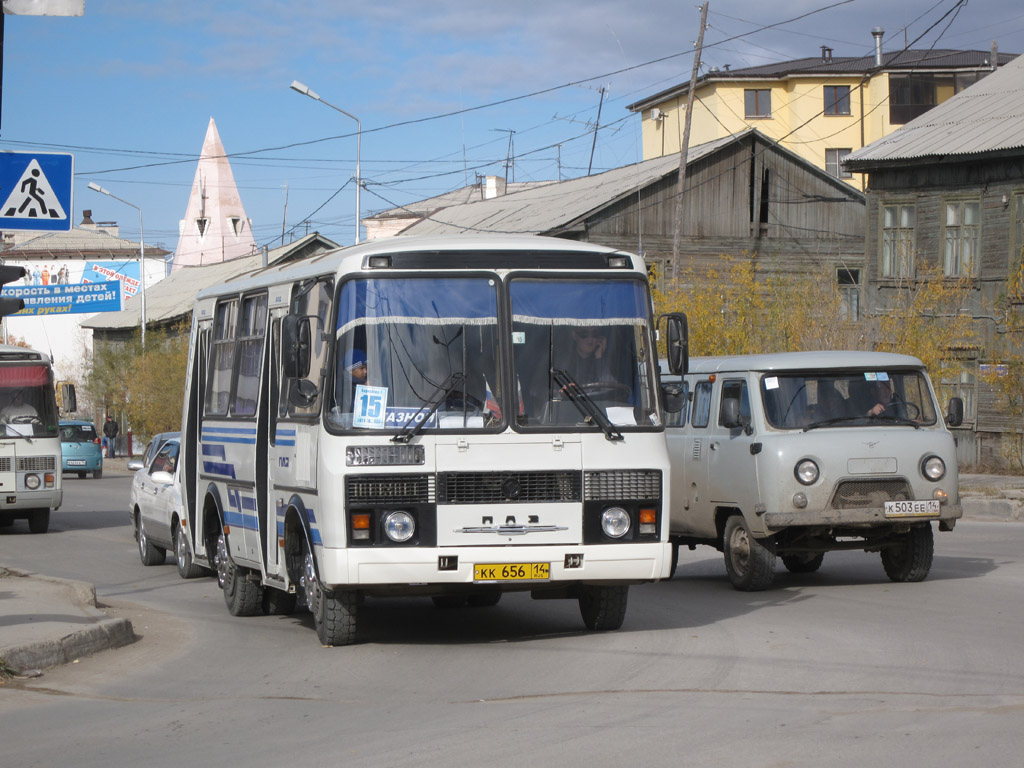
x: 511, y: 571
x: 919, y: 508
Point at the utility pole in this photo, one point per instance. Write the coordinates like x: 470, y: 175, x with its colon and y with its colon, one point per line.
x: 597, y: 125
x: 284, y: 222
x: 686, y: 141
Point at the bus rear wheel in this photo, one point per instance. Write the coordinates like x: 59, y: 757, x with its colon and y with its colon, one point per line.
x: 334, y: 613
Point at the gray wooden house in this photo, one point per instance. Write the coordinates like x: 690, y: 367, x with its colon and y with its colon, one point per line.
x: 946, y: 195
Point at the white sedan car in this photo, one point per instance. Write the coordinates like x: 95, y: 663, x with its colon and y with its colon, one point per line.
x: 155, y: 510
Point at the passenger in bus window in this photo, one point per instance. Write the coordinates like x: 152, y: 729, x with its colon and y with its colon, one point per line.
x: 589, y: 364
x: 18, y: 410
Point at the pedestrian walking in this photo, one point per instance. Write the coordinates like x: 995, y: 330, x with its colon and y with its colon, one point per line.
x: 110, y: 430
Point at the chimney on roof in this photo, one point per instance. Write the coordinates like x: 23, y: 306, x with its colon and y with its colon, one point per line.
x: 493, y: 187
x: 877, y: 33
x: 993, y: 60
x: 826, y: 54
x: 87, y: 218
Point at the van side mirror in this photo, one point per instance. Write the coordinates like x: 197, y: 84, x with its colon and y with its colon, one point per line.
x: 673, y: 398
x: 295, y: 346
x: 677, y: 342
x: 731, y: 418
x: 955, y: 412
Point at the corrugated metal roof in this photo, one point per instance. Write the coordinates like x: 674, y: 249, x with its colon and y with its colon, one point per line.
x: 854, y: 66
x: 455, y: 197
x: 558, y: 205
x: 78, y: 240
x: 986, y: 117
x: 174, y: 296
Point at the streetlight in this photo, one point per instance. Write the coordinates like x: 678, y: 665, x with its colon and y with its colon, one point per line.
x: 305, y: 91
x: 142, y: 253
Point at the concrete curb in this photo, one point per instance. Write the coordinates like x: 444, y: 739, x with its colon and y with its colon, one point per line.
x: 102, y: 634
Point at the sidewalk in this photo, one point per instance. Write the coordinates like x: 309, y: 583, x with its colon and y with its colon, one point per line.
x: 46, y: 621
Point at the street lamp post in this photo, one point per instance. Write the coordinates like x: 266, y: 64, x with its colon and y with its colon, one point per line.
x: 142, y: 253
x: 305, y: 91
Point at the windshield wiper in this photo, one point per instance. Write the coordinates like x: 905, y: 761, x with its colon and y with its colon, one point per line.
x: 840, y: 419
x: 830, y: 422
x: 413, y: 427
x: 584, y: 404
x: 897, y: 420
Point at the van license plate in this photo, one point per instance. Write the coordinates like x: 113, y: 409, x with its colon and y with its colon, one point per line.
x: 919, y: 508
x: 511, y: 571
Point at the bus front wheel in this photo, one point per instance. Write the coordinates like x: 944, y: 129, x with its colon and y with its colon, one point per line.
x: 39, y: 520
x: 603, y: 608
x: 242, y: 596
x: 334, y: 613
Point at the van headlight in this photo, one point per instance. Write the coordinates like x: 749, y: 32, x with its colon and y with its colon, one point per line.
x: 615, y: 522
x: 399, y: 526
x: 806, y: 472
x: 933, y: 468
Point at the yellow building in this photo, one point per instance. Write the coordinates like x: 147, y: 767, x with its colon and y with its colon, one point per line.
x: 822, y: 108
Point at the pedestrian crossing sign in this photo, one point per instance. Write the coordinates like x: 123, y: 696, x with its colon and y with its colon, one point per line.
x: 36, y: 191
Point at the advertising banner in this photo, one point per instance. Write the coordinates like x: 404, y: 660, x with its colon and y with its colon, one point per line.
x: 74, y: 287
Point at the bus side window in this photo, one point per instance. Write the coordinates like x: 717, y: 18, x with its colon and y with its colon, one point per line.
x: 302, y: 397
x: 701, y: 404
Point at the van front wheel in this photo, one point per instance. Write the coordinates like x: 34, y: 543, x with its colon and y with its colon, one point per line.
x: 912, y: 559
x: 750, y: 562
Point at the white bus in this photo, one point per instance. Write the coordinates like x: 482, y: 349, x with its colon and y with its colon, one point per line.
x: 446, y: 417
x: 30, y: 451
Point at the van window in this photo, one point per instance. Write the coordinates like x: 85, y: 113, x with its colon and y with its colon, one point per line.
x: 701, y: 404
x: 735, y: 390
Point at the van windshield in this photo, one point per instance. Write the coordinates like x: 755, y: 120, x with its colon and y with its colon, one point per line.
x: 806, y: 400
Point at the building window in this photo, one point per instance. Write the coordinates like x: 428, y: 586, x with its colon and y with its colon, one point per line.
x: 834, y: 163
x: 757, y: 102
x: 837, y: 99
x: 912, y: 95
x: 848, y: 281
x: 963, y: 235
x: 898, y: 240
x: 201, y: 225
x: 962, y: 385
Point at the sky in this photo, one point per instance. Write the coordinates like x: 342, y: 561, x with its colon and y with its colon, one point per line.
x: 443, y: 91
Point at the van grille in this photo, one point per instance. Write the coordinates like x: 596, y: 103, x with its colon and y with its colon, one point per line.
x: 508, y: 487
x: 855, y: 494
x: 363, y: 490
x: 36, y: 464
x: 625, y: 485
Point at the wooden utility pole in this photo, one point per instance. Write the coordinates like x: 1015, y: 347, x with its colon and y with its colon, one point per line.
x: 686, y: 141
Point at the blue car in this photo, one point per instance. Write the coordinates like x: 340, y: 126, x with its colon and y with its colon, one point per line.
x: 80, y: 448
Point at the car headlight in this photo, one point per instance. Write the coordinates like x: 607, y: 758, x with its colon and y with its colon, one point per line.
x: 933, y: 468
x: 399, y: 526
x: 806, y: 472
x: 32, y: 482
x: 615, y: 522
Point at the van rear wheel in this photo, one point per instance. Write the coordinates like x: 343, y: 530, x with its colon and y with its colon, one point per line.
x: 912, y: 559
x: 750, y: 562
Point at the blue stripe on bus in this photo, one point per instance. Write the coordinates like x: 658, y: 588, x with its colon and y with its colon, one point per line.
x: 216, y: 451
x: 218, y: 440
x: 315, y: 533
x: 230, y: 430
x: 217, y: 468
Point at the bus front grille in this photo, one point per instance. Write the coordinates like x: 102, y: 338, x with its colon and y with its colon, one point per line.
x: 366, y: 490
x: 623, y: 485
x: 5, y: 464
x: 36, y: 464
x: 508, y: 487
x: 856, y: 494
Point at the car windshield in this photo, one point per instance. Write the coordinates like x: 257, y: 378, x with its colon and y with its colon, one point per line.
x: 77, y: 433
x: 586, y: 335
x: 406, y: 345
x: 877, y: 397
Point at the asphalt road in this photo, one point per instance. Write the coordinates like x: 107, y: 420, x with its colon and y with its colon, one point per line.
x: 837, y: 668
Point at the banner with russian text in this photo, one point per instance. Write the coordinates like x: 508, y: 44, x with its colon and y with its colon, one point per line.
x: 66, y: 298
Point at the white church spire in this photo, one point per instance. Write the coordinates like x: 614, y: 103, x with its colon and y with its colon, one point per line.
x: 215, y: 227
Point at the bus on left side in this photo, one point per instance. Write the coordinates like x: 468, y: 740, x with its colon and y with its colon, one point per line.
x: 30, y: 479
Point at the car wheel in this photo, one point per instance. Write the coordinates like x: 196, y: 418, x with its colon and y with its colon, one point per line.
x: 97, y: 474
x: 334, y: 613
x: 242, y: 596
x: 149, y: 553
x: 750, y: 562
x: 39, y: 520
x: 183, y: 556
x: 603, y: 608
x: 912, y: 559
x: 803, y: 563
x: 81, y: 475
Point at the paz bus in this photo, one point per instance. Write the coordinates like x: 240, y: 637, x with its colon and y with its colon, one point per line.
x: 30, y: 451
x: 415, y: 416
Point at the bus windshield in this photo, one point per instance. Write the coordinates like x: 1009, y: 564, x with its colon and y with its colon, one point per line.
x: 589, y: 333
x: 27, y: 407
x: 809, y: 400
x: 406, y: 344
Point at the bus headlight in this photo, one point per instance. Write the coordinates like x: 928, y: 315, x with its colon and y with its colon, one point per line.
x: 806, y: 472
x: 399, y: 526
x: 933, y: 468
x: 615, y: 522
x: 32, y: 482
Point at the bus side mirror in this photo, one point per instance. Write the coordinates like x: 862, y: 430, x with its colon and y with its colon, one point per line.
x: 955, y: 413
x: 673, y: 398
x: 295, y: 346
x: 66, y: 397
x: 678, y: 343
